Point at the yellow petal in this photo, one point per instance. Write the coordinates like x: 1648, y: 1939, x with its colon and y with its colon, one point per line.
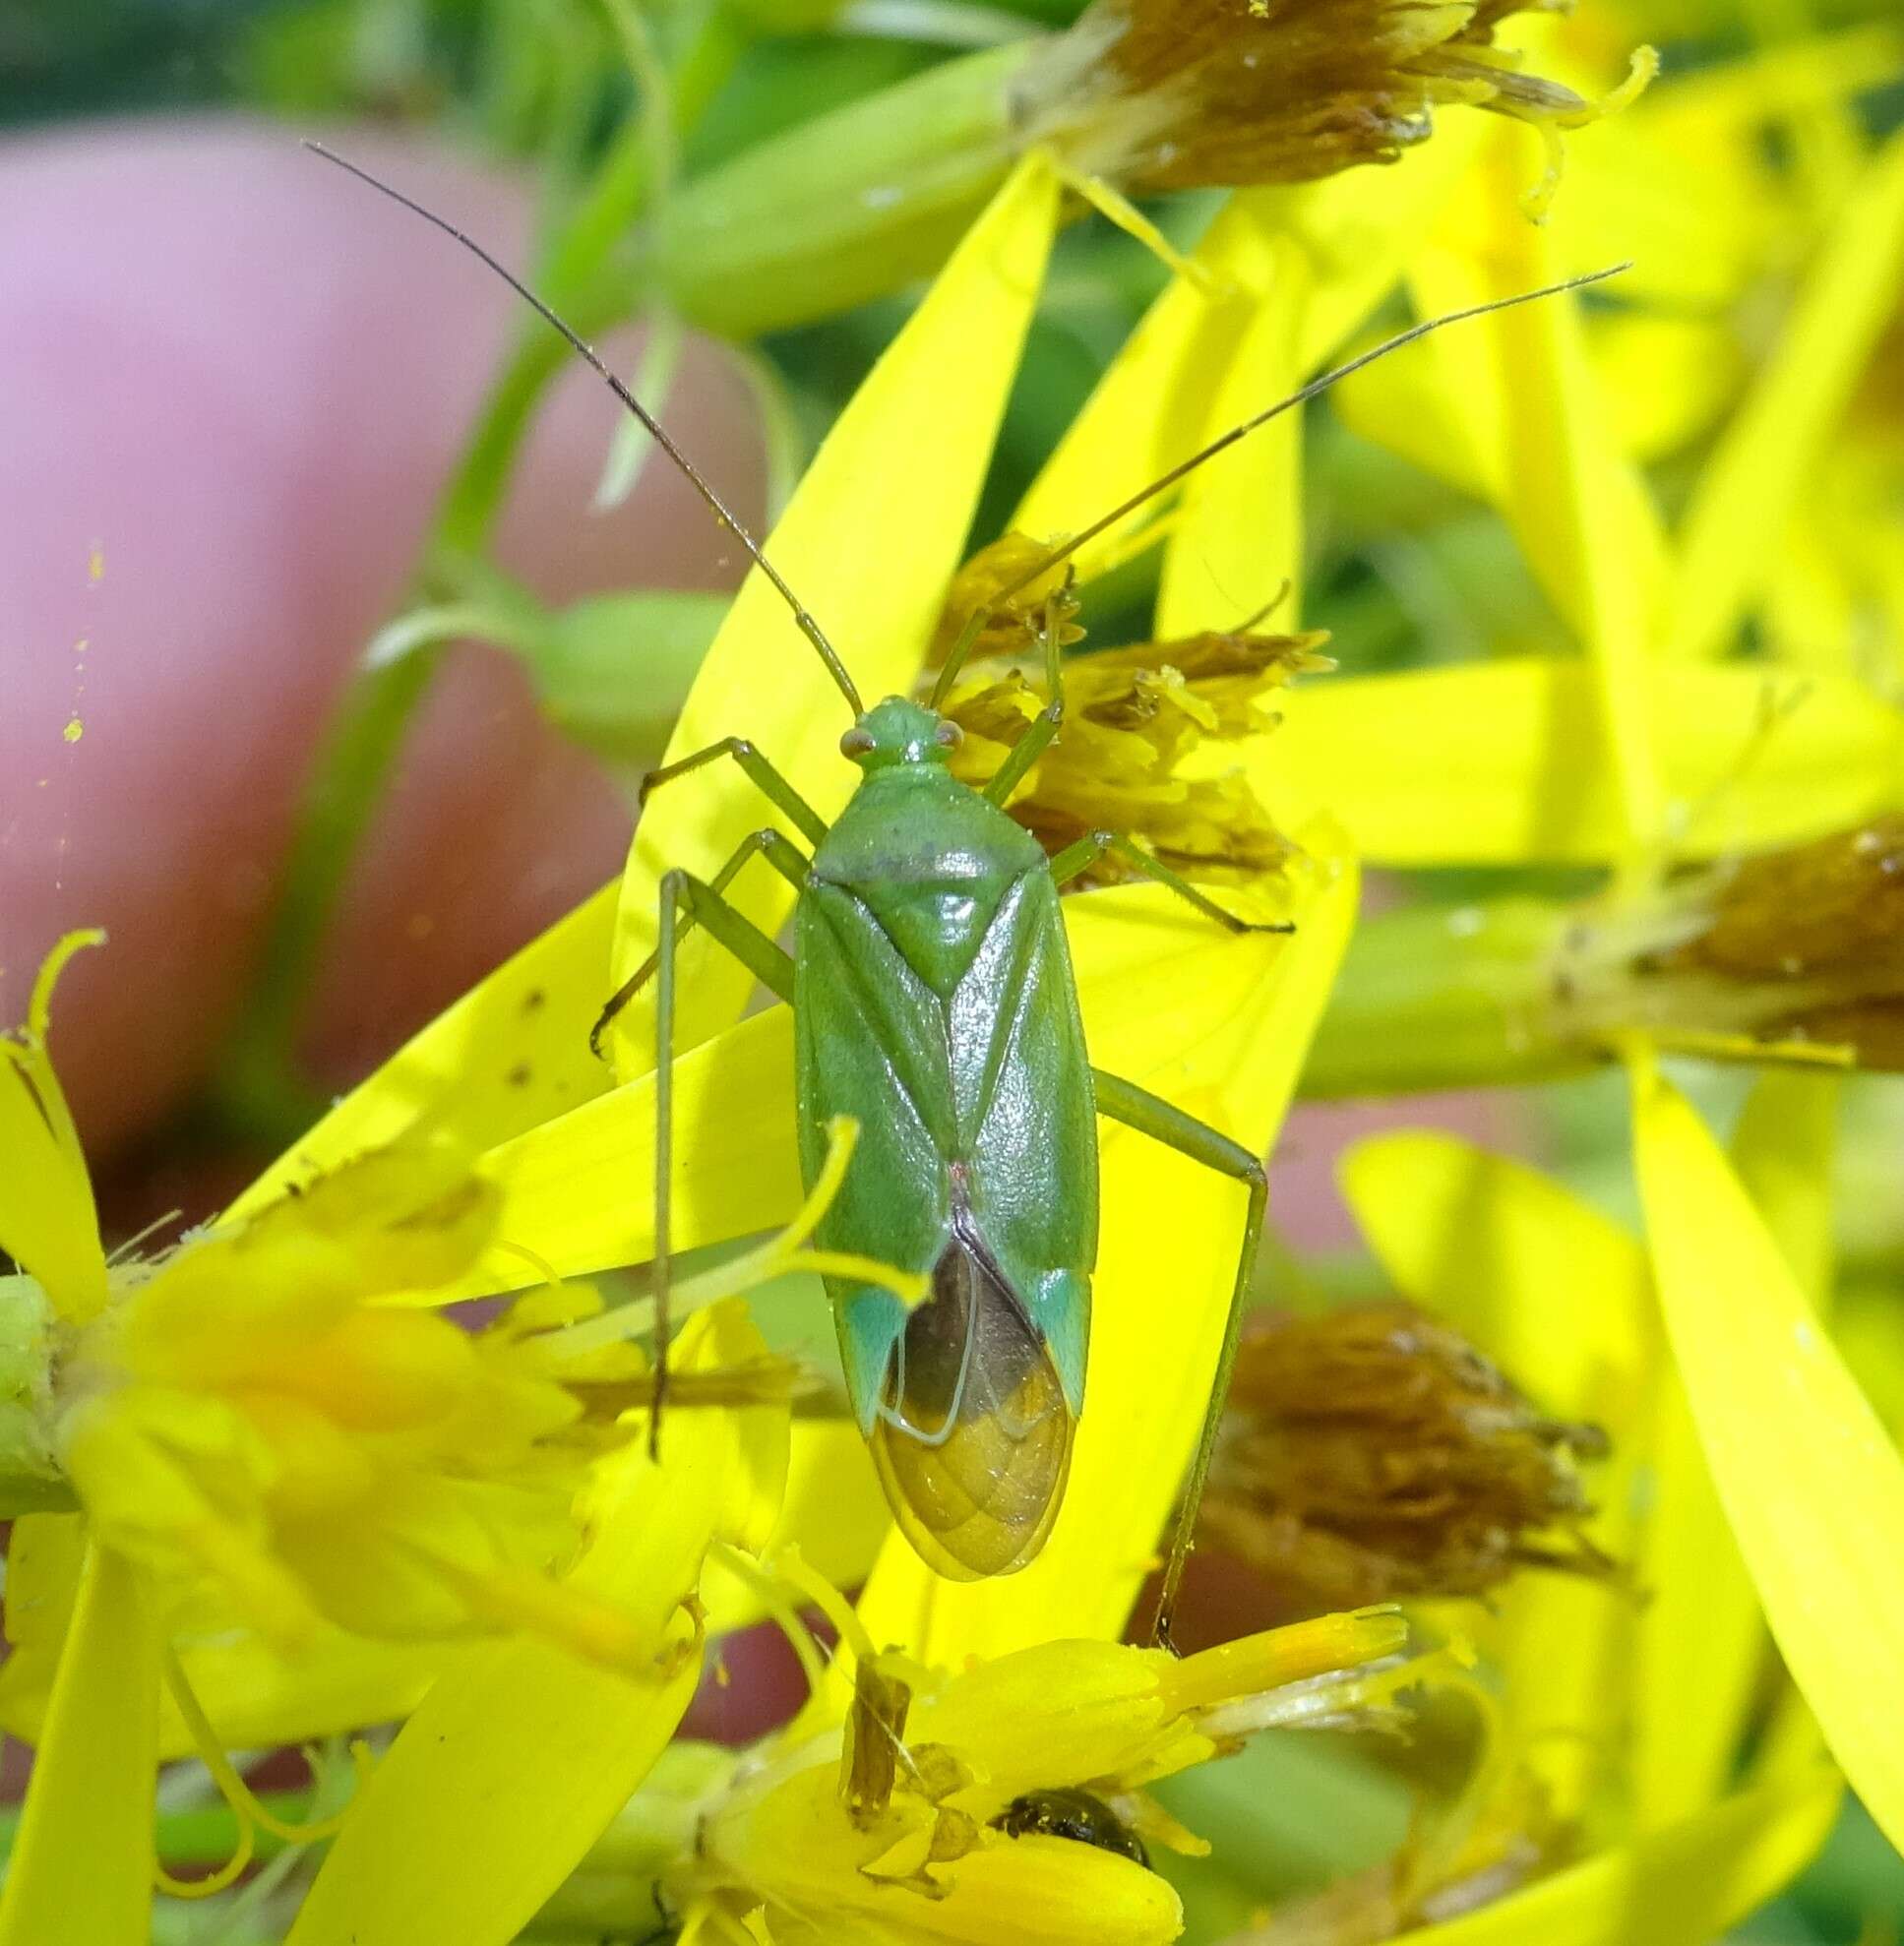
x: 1700, y: 1640
x: 1151, y: 409
x: 1218, y: 1026
x: 1783, y: 1149
x: 1701, y: 1648
x: 1562, y: 1298
x: 47, y: 1222
x: 1345, y: 237
x: 833, y: 1513
x: 1755, y: 478
x: 338, y: 1683
x: 1814, y: 1488
x: 1677, y: 1887
x: 520, y: 1755
x: 794, y: 1846
x: 81, y: 1866
x: 1664, y: 379
x: 1538, y: 1279
x: 1698, y: 1687
x: 1237, y: 538
x: 255, y: 1698
x: 1402, y: 403
x: 1579, y: 512
x: 578, y: 1191
x: 1509, y: 761
x: 869, y: 542
x: 46, y: 1552
x: 510, y: 1054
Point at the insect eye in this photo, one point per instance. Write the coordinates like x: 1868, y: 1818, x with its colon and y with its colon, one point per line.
x: 857, y: 742
x: 949, y: 736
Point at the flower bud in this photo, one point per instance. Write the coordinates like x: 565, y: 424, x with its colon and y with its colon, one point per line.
x: 1157, y: 95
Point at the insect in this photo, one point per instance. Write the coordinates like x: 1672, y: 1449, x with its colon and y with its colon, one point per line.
x: 934, y: 1003
x: 1072, y: 1814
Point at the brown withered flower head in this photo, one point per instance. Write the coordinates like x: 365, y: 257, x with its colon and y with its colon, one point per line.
x: 1372, y: 1453
x: 1792, y: 946
x: 1161, y: 94
x: 1135, y: 720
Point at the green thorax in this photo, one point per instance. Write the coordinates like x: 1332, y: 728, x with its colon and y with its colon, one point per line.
x: 928, y: 856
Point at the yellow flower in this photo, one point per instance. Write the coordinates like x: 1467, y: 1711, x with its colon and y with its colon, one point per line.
x: 266, y: 1437
x: 925, y: 1816
x: 251, y: 1419
x: 1141, y: 724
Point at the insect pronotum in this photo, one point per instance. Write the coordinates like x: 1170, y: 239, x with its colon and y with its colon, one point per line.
x: 933, y: 1001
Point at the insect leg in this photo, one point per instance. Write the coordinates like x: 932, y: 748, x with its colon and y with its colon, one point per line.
x: 769, y: 969
x: 682, y: 890
x: 765, y: 778
x: 1044, y: 726
x: 1081, y: 856
x: 1136, y: 1107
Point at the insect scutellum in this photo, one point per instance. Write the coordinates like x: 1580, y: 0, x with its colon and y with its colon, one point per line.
x: 934, y: 1004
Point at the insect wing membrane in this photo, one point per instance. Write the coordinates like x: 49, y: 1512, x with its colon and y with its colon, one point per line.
x: 973, y: 1439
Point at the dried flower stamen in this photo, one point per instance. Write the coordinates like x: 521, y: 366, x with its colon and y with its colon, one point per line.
x: 1371, y: 1452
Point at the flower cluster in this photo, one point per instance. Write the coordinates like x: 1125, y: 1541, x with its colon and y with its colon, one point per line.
x: 269, y: 1487
x: 1159, y: 95
x: 1141, y: 724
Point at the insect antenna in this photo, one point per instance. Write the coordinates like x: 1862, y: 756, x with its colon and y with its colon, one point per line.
x: 808, y: 626
x: 980, y: 616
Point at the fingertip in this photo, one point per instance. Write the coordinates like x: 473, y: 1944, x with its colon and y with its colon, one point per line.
x: 233, y: 385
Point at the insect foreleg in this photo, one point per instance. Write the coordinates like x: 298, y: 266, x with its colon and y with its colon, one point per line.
x: 773, y: 968
x: 765, y: 778
x: 1081, y: 856
x: 1150, y: 1115
x: 767, y: 963
x: 1044, y: 726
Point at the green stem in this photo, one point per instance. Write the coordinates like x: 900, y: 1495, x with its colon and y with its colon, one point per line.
x: 849, y: 205
x: 1446, y: 996
x: 470, y: 502
x: 260, y: 1091
x: 205, y: 1835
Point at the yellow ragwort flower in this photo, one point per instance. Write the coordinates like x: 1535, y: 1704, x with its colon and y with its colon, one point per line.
x: 1142, y: 724
x: 947, y: 1805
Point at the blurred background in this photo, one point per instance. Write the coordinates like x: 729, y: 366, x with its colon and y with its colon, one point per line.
x: 286, y: 486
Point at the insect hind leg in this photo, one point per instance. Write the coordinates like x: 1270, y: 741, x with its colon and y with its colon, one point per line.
x: 683, y: 893
x: 1136, y: 1107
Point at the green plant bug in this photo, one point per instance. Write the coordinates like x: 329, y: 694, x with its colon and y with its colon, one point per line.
x: 934, y: 1003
